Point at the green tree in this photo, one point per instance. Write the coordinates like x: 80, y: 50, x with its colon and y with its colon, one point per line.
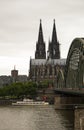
x: 19, y: 90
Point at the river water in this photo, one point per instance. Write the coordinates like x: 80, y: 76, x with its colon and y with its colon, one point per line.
x: 35, y: 118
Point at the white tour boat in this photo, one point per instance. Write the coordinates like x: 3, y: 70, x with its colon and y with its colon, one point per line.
x: 29, y: 102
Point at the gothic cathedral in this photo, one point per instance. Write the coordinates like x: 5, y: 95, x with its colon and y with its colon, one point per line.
x: 46, y: 66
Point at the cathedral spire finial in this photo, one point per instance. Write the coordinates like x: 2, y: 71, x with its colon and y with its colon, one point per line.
x: 54, y: 34
x: 54, y: 20
x: 40, y: 36
x: 40, y: 20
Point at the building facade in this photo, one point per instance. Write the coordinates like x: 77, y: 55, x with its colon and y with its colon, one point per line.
x: 46, y: 66
x: 16, y: 77
x: 14, y: 74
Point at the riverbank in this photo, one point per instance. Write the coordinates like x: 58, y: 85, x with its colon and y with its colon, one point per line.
x: 5, y: 102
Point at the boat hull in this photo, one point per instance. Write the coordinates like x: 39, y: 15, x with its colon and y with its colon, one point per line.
x: 15, y: 104
x: 29, y: 103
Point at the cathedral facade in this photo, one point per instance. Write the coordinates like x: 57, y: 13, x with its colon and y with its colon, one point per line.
x: 46, y: 66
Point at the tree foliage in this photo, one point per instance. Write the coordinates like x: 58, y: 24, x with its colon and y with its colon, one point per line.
x: 19, y: 90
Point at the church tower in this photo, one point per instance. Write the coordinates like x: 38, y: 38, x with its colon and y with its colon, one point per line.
x: 53, y: 49
x: 40, y: 45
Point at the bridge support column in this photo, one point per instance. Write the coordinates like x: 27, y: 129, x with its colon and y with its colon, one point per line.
x: 57, y: 101
x: 79, y: 118
x: 67, y: 101
x: 60, y: 102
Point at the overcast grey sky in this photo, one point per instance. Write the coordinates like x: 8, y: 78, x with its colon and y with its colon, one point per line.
x: 19, y: 24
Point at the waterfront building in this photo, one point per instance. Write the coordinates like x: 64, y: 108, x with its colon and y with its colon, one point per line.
x: 46, y: 67
x: 14, y: 77
x: 5, y: 80
x: 22, y: 78
x: 14, y: 74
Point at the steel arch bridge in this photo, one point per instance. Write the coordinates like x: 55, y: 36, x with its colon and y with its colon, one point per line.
x: 74, y: 70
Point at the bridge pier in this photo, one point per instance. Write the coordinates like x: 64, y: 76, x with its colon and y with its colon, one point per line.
x: 79, y: 118
x: 62, y: 102
x: 67, y: 101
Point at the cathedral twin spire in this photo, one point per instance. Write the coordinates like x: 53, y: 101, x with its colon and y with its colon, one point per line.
x: 54, y: 51
x: 40, y: 45
x: 53, y: 48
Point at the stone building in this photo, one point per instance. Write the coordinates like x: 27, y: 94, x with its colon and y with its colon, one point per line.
x: 14, y: 74
x: 16, y: 77
x: 46, y: 66
x: 5, y: 80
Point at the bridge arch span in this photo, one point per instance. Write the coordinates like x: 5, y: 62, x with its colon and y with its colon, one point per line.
x: 74, y: 70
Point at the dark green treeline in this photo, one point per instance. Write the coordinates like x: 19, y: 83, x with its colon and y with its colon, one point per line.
x: 21, y: 90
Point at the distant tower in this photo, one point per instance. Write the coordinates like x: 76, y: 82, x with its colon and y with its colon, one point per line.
x: 53, y: 48
x: 14, y: 74
x: 40, y: 45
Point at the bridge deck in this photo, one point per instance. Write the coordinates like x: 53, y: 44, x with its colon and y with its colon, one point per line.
x: 68, y: 91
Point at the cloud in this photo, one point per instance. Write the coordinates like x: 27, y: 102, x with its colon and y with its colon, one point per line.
x: 19, y: 24
x: 20, y: 63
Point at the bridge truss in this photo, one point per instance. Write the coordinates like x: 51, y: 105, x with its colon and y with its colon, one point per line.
x: 74, y: 70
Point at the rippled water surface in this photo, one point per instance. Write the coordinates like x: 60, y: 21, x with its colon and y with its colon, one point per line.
x: 35, y: 118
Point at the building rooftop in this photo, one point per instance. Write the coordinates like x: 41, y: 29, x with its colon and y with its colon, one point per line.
x: 50, y: 61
